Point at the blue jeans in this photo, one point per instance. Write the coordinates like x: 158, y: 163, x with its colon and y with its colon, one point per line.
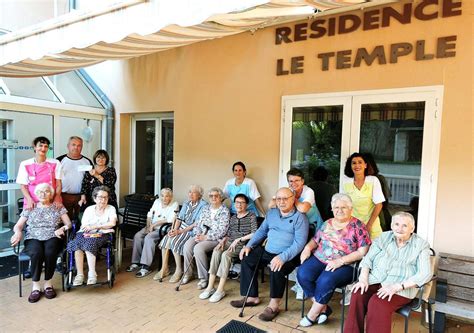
x: 320, y: 284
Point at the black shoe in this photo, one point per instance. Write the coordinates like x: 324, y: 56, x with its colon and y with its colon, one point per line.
x: 233, y: 275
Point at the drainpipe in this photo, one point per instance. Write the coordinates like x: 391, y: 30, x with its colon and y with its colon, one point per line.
x: 72, y: 5
x: 109, y: 108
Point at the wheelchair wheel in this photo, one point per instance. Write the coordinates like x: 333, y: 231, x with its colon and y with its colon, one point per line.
x: 112, y: 279
x: 68, y: 281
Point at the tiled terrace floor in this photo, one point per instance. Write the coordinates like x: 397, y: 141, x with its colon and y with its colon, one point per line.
x: 144, y: 305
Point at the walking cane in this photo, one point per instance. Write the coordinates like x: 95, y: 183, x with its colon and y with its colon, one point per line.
x: 166, y: 248
x: 241, y: 314
x: 206, y: 229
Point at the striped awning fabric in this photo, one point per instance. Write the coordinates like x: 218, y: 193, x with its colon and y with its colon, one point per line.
x: 138, y: 27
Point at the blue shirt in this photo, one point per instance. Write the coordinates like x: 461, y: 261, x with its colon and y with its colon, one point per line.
x: 287, y: 235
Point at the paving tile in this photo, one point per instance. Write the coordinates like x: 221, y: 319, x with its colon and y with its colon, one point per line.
x: 144, y: 305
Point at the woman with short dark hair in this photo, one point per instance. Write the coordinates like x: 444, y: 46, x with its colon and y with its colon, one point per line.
x: 37, y: 170
x: 242, y: 226
x: 242, y: 184
x: 101, y: 174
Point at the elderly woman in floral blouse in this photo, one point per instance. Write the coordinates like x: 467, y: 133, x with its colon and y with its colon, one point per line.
x: 43, y: 238
x: 341, y: 240
x: 211, y: 227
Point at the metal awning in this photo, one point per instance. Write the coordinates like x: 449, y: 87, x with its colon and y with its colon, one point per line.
x: 138, y: 27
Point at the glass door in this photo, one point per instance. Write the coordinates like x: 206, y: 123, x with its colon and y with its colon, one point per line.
x: 152, y: 154
x: 314, y: 136
x: 399, y: 127
x: 398, y: 130
x: 145, y: 147
x: 17, y: 131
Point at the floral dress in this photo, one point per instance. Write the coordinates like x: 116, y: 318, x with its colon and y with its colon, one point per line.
x: 92, y: 244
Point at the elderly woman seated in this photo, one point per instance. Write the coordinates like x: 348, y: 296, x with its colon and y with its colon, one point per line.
x: 96, y: 221
x: 325, y: 259
x: 241, y: 228
x: 42, y: 238
x: 181, y: 232
x: 211, y: 227
x: 398, y: 261
x: 144, y: 241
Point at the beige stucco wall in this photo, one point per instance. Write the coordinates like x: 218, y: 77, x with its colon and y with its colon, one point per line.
x: 226, y: 100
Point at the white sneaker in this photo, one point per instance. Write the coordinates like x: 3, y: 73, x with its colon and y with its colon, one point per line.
x: 92, y: 279
x: 202, y: 284
x: 78, y: 280
x: 186, y: 279
x: 207, y: 293
x: 132, y: 268
x: 299, y: 295
x: 217, y: 296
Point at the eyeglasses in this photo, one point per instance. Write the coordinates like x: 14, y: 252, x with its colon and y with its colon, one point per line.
x: 340, y: 208
x: 240, y: 202
x: 283, y: 199
x: 44, y: 192
x: 214, y: 195
x: 102, y: 197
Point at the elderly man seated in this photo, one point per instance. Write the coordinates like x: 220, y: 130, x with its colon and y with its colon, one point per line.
x: 287, y: 233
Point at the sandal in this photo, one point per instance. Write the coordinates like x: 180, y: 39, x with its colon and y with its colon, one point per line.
x: 176, y: 277
x: 306, y: 322
x: 323, y: 316
x: 49, y: 293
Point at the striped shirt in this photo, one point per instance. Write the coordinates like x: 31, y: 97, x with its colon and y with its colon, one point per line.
x: 240, y: 227
x: 390, y: 264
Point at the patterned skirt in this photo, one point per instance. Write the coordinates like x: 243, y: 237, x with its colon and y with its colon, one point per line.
x: 92, y: 245
x: 176, y: 243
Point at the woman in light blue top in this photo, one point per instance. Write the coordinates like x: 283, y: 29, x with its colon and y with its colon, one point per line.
x: 241, y: 184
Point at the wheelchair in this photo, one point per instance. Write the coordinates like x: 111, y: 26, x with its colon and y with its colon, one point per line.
x: 110, y: 250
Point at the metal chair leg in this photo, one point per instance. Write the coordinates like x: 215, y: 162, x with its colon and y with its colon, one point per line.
x: 302, y: 305
x: 406, y: 324
x: 343, y: 308
x: 19, y: 278
x: 430, y: 318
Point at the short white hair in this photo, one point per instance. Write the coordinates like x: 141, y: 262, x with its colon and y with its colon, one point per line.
x: 341, y: 197
x: 42, y: 186
x: 404, y: 215
x: 198, y: 189
x: 219, y: 191
x: 165, y: 190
